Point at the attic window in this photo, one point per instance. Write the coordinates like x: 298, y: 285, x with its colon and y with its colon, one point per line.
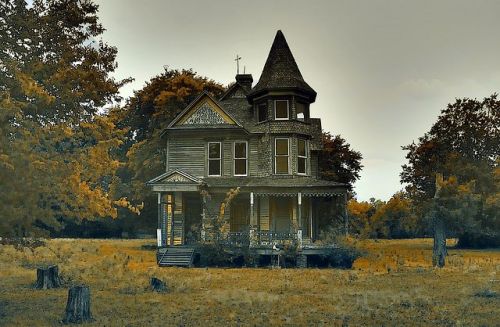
x: 262, y: 112
x: 281, y: 109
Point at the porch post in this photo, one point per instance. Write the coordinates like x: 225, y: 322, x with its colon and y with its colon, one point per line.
x: 160, y: 230
x: 253, y: 223
x: 299, y: 219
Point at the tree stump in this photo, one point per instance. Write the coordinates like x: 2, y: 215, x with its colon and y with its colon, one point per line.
x: 78, y: 306
x: 47, y: 277
x: 158, y: 285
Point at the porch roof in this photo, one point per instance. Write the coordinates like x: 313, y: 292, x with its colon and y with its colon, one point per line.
x: 279, y: 186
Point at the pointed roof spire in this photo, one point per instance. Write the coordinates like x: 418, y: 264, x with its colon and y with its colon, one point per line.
x: 281, y: 70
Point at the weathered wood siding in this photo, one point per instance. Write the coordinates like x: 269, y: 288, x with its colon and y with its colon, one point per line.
x: 187, y: 154
x: 314, y: 164
x: 253, y: 157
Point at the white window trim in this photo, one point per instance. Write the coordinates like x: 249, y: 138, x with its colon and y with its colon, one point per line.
x: 275, y: 155
x: 220, y: 159
x: 306, y: 147
x: 287, y: 110
x: 246, y: 158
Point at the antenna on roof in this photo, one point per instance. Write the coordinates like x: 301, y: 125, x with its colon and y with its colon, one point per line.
x: 244, y: 69
x: 238, y: 58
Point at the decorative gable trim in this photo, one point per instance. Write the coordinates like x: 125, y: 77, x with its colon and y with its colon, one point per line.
x: 175, y: 176
x: 204, y: 110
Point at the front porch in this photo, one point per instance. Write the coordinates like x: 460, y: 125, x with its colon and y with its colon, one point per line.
x: 251, y: 219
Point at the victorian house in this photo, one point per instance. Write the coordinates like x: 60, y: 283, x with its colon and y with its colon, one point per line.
x: 259, y: 141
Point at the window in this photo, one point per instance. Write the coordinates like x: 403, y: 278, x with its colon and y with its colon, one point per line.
x: 301, y: 111
x: 301, y: 156
x: 214, y: 158
x: 281, y: 154
x: 262, y: 112
x: 281, y: 109
x: 240, y: 158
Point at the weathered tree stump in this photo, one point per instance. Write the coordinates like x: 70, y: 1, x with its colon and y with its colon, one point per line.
x: 47, y: 277
x: 78, y: 306
x: 158, y: 285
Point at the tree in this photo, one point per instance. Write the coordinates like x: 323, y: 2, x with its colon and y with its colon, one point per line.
x: 337, y: 161
x: 56, y: 147
x: 463, y: 144
x: 395, y: 218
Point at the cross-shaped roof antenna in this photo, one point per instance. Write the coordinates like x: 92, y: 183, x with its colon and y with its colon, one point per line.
x: 238, y: 58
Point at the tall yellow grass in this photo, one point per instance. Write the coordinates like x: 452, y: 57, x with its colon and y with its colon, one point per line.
x: 392, y: 285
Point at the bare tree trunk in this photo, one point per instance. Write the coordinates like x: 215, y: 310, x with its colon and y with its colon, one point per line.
x: 439, y: 249
x: 78, y: 305
x: 47, y: 277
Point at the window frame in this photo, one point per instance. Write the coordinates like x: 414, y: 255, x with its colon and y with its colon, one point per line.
x: 234, y: 158
x: 305, y: 112
x: 305, y: 156
x: 287, y: 109
x: 281, y: 155
x: 213, y: 159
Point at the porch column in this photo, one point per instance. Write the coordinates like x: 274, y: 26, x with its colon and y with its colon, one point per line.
x: 253, y: 222
x: 160, y: 226
x: 299, y: 219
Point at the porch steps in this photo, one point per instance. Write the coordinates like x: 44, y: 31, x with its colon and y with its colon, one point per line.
x: 175, y: 256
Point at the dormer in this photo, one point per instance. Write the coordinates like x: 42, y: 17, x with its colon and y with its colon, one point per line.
x: 281, y: 92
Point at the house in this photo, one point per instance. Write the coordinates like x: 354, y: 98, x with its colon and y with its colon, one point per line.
x: 262, y: 143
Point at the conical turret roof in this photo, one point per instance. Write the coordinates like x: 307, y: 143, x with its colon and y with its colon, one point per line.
x: 281, y: 70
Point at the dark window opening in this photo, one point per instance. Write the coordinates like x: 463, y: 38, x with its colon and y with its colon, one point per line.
x: 262, y: 112
x: 281, y: 109
x: 302, y: 112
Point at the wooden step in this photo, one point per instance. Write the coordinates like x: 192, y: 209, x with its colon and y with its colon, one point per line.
x: 175, y: 256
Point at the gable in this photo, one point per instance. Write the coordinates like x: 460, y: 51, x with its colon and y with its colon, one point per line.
x: 234, y: 91
x: 175, y: 177
x: 203, y: 111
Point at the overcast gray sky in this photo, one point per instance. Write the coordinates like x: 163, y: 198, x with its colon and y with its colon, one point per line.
x: 382, y: 69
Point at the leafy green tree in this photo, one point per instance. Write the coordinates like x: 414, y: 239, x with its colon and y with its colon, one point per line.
x: 464, y: 144
x: 56, y: 148
x: 337, y: 161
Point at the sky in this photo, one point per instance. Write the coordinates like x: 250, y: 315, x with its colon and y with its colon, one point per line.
x: 383, y: 70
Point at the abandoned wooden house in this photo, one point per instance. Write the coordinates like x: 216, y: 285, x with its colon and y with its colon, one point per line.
x: 259, y: 141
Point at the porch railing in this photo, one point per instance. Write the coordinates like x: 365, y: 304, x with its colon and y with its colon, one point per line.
x: 268, y: 238
x: 237, y: 238
x: 262, y: 238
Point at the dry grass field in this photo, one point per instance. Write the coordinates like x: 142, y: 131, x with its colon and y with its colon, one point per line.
x: 392, y: 285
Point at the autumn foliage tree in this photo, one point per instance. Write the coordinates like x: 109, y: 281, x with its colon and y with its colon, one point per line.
x: 56, y: 147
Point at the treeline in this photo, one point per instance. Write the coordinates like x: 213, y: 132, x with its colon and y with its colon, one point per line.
x: 452, y: 181
x: 74, y: 156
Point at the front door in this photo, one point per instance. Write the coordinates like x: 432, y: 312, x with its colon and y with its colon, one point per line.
x: 281, y: 214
